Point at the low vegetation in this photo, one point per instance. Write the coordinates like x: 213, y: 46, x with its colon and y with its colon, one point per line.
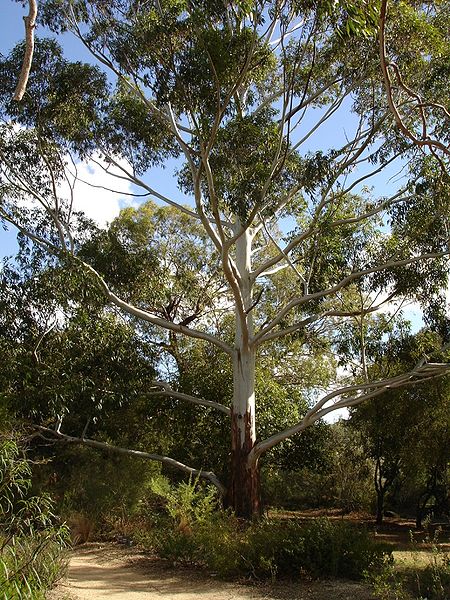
x: 421, y: 573
x: 191, y: 529
x: 31, y: 538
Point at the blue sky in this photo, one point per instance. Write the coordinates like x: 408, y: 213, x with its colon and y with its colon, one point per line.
x: 11, y: 31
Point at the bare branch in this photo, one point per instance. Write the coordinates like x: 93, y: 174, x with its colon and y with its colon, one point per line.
x: 128, y: 308
x: 30, y: 24
x: 286, y: 257
x: 422, y: 372
x: 150, y: 318
x: 168, y: 391
x: 344, y: 282
x: 260, y: 339
x: 165, y: 460
x: 425, y: 140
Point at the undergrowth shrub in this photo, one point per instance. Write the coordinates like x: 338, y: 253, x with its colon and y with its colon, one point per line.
x: 432, y: 580
x: 98, y: 492
x: 197, y: 531
x: 419, y: 578
x: 31, y: 539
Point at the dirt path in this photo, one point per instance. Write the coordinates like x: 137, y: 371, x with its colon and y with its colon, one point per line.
x: 111, y: 572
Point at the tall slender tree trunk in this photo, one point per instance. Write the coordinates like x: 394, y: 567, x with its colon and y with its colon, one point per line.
x: 244, y: 490
x: 380, y: 507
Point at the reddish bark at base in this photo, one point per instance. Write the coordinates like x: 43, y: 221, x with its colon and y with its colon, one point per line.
x: 244, y: 491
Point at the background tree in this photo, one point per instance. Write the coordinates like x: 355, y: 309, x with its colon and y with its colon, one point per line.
x: 406, y: 434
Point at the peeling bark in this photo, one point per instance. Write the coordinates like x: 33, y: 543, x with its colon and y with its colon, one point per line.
x: 244, y: 491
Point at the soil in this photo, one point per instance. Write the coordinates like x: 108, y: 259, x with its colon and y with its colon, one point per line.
x: 109, y: 571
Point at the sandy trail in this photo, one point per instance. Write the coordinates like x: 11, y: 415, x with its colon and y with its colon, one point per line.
x: 114, y: 573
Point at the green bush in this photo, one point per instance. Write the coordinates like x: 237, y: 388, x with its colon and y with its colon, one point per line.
x: 31, y: 539
x: 320, y: 548
x: 196, y: 531
x: 98, y: 489
x: 415, y: 581
x: 433, y: 582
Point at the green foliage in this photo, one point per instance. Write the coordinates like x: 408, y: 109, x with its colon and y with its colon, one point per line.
x: 336, y: 471
x: 387, y: 583
x: 196, y: 531
x: 276, y: 548
x: 434, y: 581
x: 104, y: 488
x: 425, y: 578
x: 241, y: 177
x: 187, y: 503
x: 406, y: 432
x: 319, y: 547
x: 31, y: 539
x: 64, y: 100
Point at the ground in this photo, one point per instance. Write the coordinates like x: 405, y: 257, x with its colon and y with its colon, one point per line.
x: 105, y: 571
x: 101, y: 571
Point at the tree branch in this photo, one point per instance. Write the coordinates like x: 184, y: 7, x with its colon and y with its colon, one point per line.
x: 422, y: 372
x: 30, y: 24
x: 260, y: 339
x: 165, y: 460
x: 168, y: 391
x: 425, y: 140
x: 344, y: 282
x: 129, y: 308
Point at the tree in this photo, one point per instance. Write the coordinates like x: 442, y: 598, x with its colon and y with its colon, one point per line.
x: 235, y: 92
x: 407, y: 434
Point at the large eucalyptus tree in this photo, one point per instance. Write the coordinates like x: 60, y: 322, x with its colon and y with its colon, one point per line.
x: 276, y: 115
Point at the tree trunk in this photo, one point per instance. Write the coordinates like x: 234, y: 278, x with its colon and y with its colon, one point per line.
x: 380, y: 507
x: 379, y: 488
x: 244, y: 489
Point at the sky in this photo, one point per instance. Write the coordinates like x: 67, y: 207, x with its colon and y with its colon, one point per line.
x: 99, y: 204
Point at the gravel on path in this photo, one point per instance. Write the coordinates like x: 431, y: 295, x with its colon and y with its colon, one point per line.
x: 101, y: 572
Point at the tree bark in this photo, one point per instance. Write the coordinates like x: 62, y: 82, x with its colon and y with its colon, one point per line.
x: 244, y: 489
x: 380, y: 507
x: 379, y: 488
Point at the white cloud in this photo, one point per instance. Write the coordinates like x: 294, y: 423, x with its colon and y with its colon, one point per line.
x: 100, y: 204
x: 336, y: 415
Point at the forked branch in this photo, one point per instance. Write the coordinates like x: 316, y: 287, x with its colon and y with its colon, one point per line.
x: 425, y: 140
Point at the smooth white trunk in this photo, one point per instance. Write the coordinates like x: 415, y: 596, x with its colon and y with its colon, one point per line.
x: 244, y: 489
x: 244, y: 359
